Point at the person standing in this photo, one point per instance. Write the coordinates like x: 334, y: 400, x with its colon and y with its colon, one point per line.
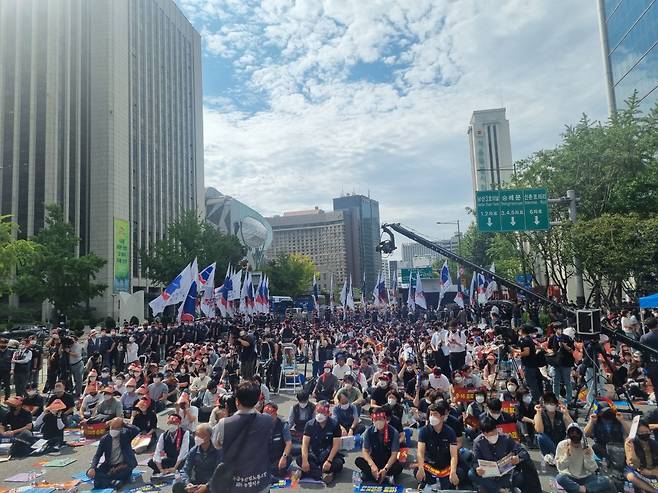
x: 529, y: 361
x: 6, y: 357
x: 75, y: 364
x: 22, y: 360
x: 456, y: 341
x: 651, y: 339
x: 247, y: 350
x: 246, y: 441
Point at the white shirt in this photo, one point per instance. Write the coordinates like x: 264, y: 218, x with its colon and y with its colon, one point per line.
x: 340, y: 371
x: 456, y: 342
x: 182, y: 453
x: 440, y: 337
x: 131, y: 352
x: 187, y: 423
x: 439, y: 383
x: 199, y: 383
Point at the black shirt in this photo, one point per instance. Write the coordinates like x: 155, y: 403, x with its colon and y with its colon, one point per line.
x: 651, y: 340
x: 528, y: 361
x: 437, y: 445
x: 322, y: 438
x: 16, y: 421
x: 66, y: 398
x: 379, y: 395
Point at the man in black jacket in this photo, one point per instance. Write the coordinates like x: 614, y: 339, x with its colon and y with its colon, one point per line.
x: 5, y: 366
x: 119, y: 456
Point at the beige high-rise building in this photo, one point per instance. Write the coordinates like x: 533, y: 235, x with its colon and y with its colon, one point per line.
x: 101, y: 113
x: 322, y: 236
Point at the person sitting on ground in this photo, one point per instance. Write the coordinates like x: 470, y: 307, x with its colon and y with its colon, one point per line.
x: 158, y: 392
x: 525, y: 417
x: 146, y: 420
x: 51, y: 425
x: 90, y: 400
x: 379, y: 457
x: 608, y: 428
x: 576, y: 465
x: 200, y: 463
x: 281, y: 450
x: 384, y: 386
x: 642, y: 459
x: 320, y: 457
x: 119, y: 458
x: 17, y: 426
x: 495, y: 412
x: 225, y: 408
x: 172, y: 448
x: 300, y: 414
x: 491, y: 445
x: 347, y: 416
x: 326, y: 386
x: 129, y: 397
x: 354, y: 395
x: 189, y: 414
x: 60, y: 393
x: 109, y: 408
x: 473, y: 412
x: 551, y: 424
x: 437, y: 456
x: 33, y: 401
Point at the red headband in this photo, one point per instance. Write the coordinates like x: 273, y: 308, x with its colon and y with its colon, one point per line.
x: 381, y: 416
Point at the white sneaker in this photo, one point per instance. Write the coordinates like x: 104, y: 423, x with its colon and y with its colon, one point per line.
x: 549, y: 459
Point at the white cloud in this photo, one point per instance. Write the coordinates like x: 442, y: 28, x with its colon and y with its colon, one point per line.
x: 403, y: 139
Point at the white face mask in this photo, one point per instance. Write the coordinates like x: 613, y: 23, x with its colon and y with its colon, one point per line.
x: 198, y: 441
x: 379, y: 424
x: 345, y: 406
x: 527, y: 399
x: 392, y: 402
x: 493, y: 439
x: 551, y: 408
x: 114, y: 433
x: 327, y: 370
x: 107, y: 397
x: 348, y: 386
x: 382, y: 384
x: 130, y: 389
x: 31, y: 392
x: 157, y: 380
x: 105, y: 374
x: 320, y: 418
x: 435, y: 421
x: 479, y: 399
x: 511, y: 387
x: 92, y: 378
x: 458, y: 379
x: 303, y: 404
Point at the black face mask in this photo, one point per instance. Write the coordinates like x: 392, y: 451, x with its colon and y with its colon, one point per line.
x: 575, y: 438
x: 645, y: 437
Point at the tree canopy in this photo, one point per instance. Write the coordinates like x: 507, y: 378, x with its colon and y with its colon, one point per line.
x: 187, y: 238
x: 290, y: 274
x: 14, y: 253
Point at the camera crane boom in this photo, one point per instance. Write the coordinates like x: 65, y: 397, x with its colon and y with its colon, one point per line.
x: 388, y: 245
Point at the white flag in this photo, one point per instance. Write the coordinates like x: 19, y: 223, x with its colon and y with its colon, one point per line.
x: 419, y: 297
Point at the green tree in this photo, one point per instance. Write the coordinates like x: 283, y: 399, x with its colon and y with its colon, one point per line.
x: 290, y: 274
x: 54, y: 272
x: 187, y: 238
x: 14, y: 253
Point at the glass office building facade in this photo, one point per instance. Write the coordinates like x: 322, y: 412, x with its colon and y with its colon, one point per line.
x: 629, y: 33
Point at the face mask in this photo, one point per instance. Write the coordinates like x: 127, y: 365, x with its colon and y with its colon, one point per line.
x: 303, y: 404
x: 435, y: 421
x: 348, y: 386
x: 157, y: 380
x: 327, y: 370
x: 382, y: 384
x: 511, y: 388
x: 645, y: 437
x: 345, y: 406
x: 495, y: 415
x: 551, y: 408
x: 107, y: 397
x: 130, y: 389
x: 458, y: 379
x: 105, y: 374
x: 31, y: 393
x: 492, y: 440
x: 428, y: 400
x: 114, y: 433
x: 202, y: 375
x: 479, y: 399
x: 392, y: 402
x: 320, y: 418
x: 242, y: 333
x: 198, y: 441
x: 183, y: 371
x: 379, y: 424
x: 92, y: 378
x: 527, y: 399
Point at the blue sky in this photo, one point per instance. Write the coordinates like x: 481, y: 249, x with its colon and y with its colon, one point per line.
x: 305, y: 99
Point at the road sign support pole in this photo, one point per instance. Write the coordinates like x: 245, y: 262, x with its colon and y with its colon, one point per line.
x: 578, y: 269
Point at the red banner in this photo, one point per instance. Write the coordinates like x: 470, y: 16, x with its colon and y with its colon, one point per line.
x: 509, y: 407
x: 510, y: 429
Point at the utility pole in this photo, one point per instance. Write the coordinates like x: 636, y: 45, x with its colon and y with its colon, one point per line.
x: 571, y: 201
x: 459, y: 233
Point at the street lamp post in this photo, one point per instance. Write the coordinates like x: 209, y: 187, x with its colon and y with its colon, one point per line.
x: 459, y: 233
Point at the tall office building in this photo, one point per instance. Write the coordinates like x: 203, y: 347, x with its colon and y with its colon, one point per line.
x: 629, y: 37
x: 362, y: 257
x: 490, y: 149
x: 101, y: 113
x: 413, y: 250
x: 322, y: 236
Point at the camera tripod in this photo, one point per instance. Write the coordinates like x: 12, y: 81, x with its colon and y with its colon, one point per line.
x: 592, y: 350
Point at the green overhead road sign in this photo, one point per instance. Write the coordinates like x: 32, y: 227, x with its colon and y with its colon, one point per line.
x: 488, y: 211
x: 512, y: 210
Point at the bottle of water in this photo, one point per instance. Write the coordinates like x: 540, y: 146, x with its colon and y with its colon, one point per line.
x: 542, y: 466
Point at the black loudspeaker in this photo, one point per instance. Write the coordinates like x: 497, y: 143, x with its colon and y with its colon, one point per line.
x: 588, y: 322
